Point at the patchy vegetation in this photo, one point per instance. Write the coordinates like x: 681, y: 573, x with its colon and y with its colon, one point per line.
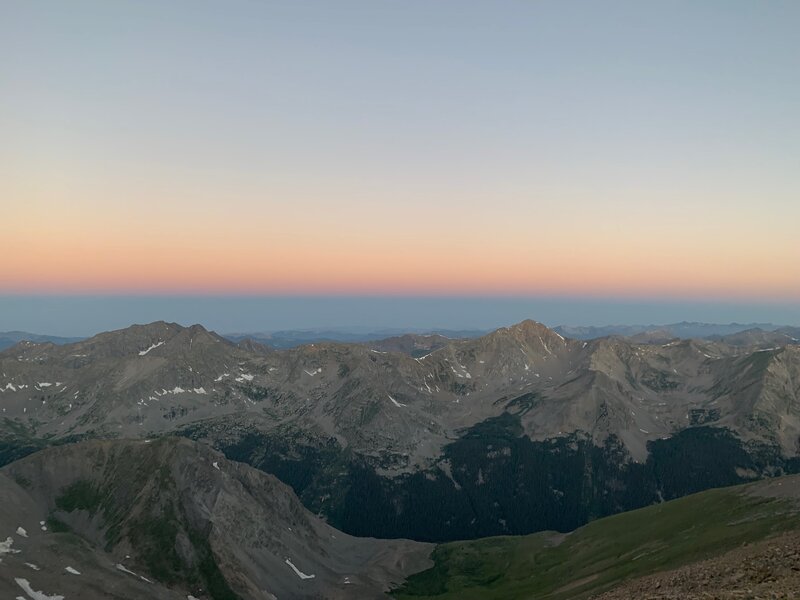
x: 604, y: 553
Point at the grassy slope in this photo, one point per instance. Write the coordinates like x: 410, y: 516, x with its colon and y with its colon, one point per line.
x: 599, y: 555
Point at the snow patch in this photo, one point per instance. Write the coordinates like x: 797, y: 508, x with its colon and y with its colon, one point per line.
x: 71, y: 570
x: 5, y: 547
x: 121, y: 567
x: 22, y: 532
x: 395, y: 402
x: 32, y: 566
x: 215, y: 464
x: 298, y: 572
x: 33, y: 594
x: 153, y: 347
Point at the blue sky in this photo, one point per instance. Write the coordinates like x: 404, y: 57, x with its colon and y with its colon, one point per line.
x: 645, y: 152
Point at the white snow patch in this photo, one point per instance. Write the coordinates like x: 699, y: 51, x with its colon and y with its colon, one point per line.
x: 22, y: 532
x: 44, y: 384
x: 395, y: 402
x: 245, y: 377
x: 153, y: 347
x: 221, y: 377
x: 9, y: 386
x: 200, y: 390
x: 314, y: 372
x: 5, y: 547
x: 32, y: 566
x: 121, y: 567
x: 71, y: 570
x: 298, y: 572
x: 33, y: 594
x: 215, y: 464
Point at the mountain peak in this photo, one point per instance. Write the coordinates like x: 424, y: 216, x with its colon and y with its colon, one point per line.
x: 530, y: 331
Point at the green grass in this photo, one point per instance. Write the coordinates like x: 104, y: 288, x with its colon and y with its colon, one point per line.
x: 57, y: 526
x: 603, y: 553
x: 81, y: 495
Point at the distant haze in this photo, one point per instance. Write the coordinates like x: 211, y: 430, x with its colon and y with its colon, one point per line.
x: 86, y: 315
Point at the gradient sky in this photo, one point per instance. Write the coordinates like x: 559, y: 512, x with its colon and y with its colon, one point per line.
x: 634, y: 150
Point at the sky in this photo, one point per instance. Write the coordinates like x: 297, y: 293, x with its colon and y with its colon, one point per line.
x: 627, y: 153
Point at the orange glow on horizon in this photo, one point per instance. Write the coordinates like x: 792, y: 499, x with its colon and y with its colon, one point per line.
x: 194, y: 261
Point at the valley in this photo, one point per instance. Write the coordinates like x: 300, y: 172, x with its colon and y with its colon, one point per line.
x: 509, y: 434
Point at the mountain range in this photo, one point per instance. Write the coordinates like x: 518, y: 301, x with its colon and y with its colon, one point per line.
x: 11, y: 338
x: 420, y: 437
x: 297, y: 337
x: 384, y: 443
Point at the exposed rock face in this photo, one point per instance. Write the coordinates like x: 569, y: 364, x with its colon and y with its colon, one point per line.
x: 171, y: 517
x: 343, y: 422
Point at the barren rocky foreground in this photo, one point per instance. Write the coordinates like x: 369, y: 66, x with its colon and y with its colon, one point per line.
x: 767, y: 570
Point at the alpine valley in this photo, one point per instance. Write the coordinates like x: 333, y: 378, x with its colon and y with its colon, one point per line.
x: 424, y: 438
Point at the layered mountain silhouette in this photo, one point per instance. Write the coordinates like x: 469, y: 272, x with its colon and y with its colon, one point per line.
x: 433, y: 439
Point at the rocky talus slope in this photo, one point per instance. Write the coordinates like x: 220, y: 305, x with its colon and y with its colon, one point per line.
x: 767, y: 570
x: 171, y: 518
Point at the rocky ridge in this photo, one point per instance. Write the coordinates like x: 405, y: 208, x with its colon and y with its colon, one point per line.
x: 173, y: 518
